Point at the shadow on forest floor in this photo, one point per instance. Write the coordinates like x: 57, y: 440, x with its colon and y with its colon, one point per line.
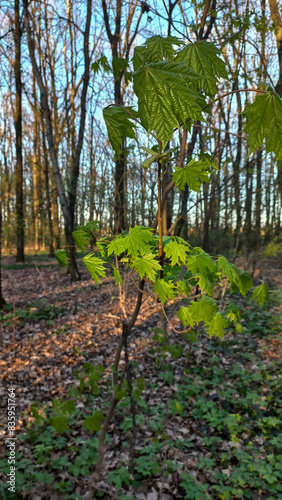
x: 209, y: 415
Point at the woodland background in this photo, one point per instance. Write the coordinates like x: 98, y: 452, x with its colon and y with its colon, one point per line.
x: 61, y: 63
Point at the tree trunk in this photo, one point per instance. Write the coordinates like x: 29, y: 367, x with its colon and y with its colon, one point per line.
x: 115, y: 38
x: 236, y: 173
x: 68, y: 203
x: 35, y: 172
x: 258, y: 199
x: 18, y: 129
x: 47, y: 195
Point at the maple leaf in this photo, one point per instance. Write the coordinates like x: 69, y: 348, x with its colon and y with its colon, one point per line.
x: 62, y: 258
x: 194, y: 173
x: 228, y: 269
x: 146, y: 265
x: 244, y: 283
x: 200, y: 262
x: 94, y: 422
x: 260, y: 294
x: 59, y: 423
x: 81, y: 238
x: 165, y: 290
x: 138, y: 242
x: 185, y: 316
x: 119, y: 124
x: 176, y: 250
x: 264, y: 122
x: 95, y: 266
x: 159, y: 48
x: 91, y: 226
x: 203, y: 57
x: 155, y: 49
x: 68, y: 407
x: 204, y: 310
x: 157, y: 86
x: 218, y: 325
x: 205, y: 285
x: 116, y: 246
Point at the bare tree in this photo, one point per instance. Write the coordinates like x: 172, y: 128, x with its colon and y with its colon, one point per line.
x: 18, y: 129
x: 67, y: 200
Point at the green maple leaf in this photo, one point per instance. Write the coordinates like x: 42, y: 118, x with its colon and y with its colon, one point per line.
x: 165, y: 290
x: 228, y: 269
x: 146, y: 265
x: 155, y: 49
x: 91, y: 226
x: 195, y: 172
x: 176, y: 250
x: 200, y: 262
x: 205, y: 285
x: 117, y: 276
x: 260, y: 294
x: 60, y: 423
x: 94, y: 423
x: 95, y: 266
x: 138, y: 242
x: 159, y: 48
x: 204, y: 310
x: 185, y: 316
x: 203, y: 57
x: 264, y: 122
x: 244, y: 283
x: 81, y: 238
x: 68, y: 407
x: 167, y: 96
x: 62, y: 258
x: 101, y: 63
x: 119, y: 125
x: 116, y: 246
x: 218, y: 325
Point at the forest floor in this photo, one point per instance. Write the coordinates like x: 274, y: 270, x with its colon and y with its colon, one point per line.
x: 209, y: 413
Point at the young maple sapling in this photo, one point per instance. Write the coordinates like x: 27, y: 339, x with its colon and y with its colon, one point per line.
x: 172, y: 82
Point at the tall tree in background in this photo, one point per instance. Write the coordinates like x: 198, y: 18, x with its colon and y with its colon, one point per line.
x: 18, y: 129
x: 120, y: 54
x: 67, y: 200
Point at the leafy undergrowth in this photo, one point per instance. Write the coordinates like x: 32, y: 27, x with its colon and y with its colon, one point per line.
x: 208, y: 420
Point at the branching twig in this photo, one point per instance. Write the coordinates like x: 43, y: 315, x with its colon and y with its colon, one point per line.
x: 176, y: 331
x: 132, y: 402
x: 114, y: 401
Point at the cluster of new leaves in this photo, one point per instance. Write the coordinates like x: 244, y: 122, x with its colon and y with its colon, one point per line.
x: 183, y: 269
x: 172, y: 82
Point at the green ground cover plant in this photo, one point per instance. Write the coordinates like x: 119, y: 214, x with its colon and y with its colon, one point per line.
x: 232, y: 397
